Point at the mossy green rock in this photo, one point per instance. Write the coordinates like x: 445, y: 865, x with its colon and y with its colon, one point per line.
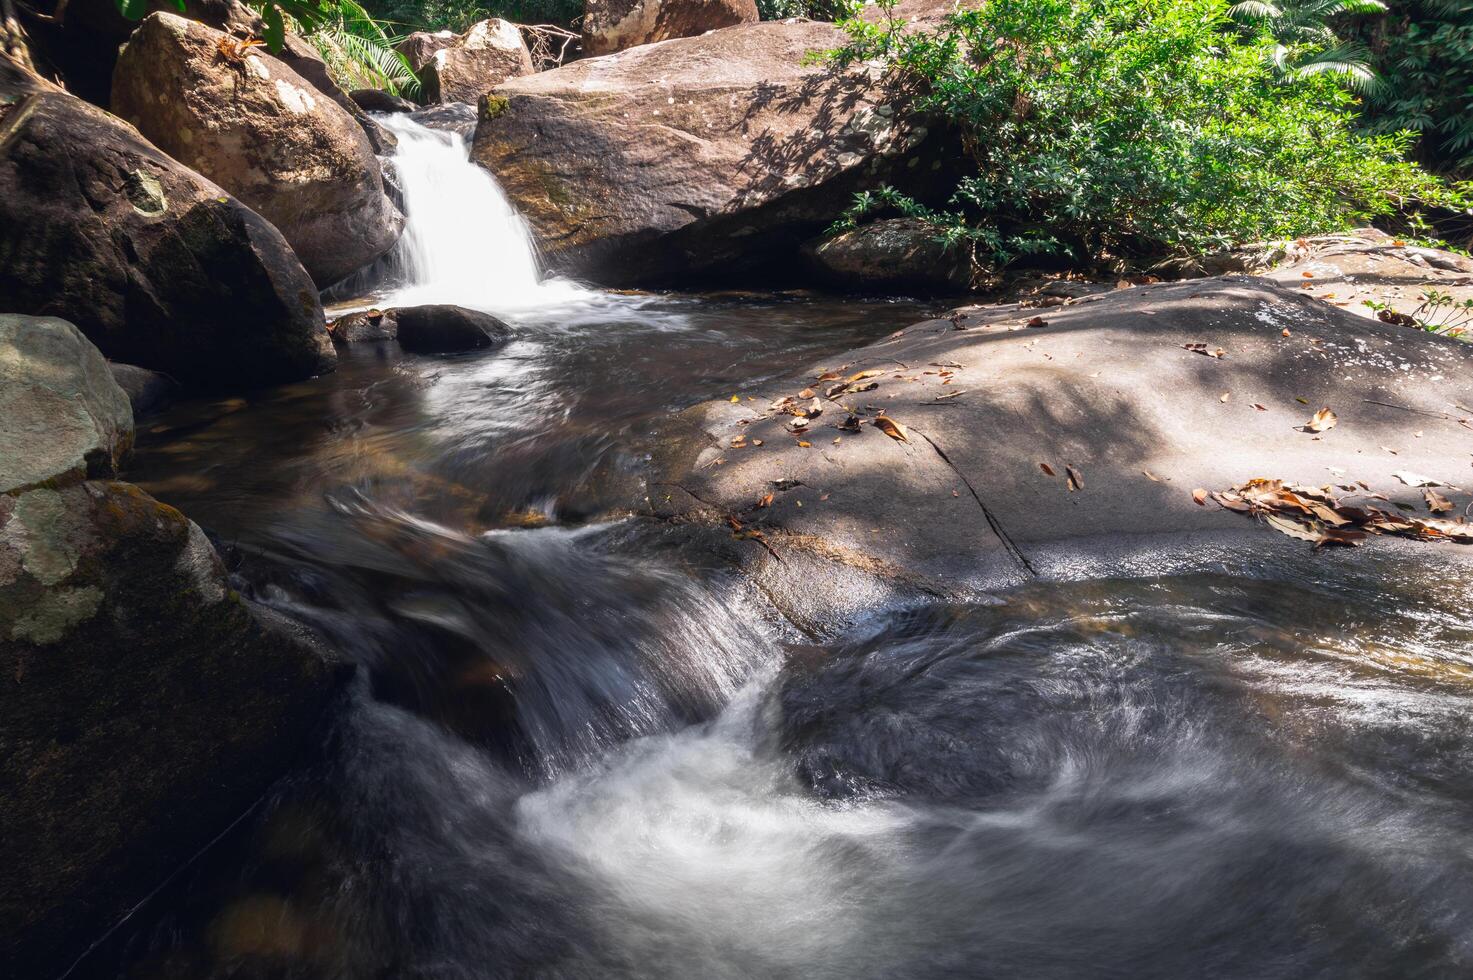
x: 144, y: 706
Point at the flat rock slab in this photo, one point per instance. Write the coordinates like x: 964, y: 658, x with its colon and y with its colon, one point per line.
x: 1109, y: 388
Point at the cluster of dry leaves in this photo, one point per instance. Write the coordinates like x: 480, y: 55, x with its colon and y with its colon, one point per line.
x: 1317, y: 515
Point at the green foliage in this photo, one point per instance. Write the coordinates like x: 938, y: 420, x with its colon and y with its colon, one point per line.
x: 1305, y: 36
x: 1424, y: 50
x: 357, y: 50
x: 1128, y: 128
x: 360, y: 54
x: 811, y: 9
x: 458, y: 15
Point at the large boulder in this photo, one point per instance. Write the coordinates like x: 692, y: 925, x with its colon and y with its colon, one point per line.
x: 64, y: 419
x: 155, y: 264
x: 247, y: 121
x: 697, y: 156
x: 613, y: 25
x: 445, y: 329
x: 891, y: 255
x: 146, y: 705
x: 480, y: 59
x: 419, y: 47
x: 1068, y: 440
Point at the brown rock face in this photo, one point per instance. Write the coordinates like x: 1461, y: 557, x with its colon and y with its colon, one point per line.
x: 421, y: 46
x: 145, y: 705
x: 613, y: 25
x: 903, y: 254
x: 264, y: 133
x: 479, y: 60
x: 700, y: 155
x: 156, y: 265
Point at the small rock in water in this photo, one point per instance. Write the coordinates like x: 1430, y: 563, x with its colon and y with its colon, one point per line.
x: 445, y: 329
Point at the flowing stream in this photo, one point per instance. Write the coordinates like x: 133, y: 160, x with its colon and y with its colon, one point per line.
x: 578, y: 748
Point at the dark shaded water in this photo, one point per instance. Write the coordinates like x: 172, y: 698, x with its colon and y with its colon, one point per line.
x: 574, y: 751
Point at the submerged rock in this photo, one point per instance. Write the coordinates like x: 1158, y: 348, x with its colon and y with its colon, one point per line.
x: 613, y: 25
x: 64, y: 419
x: 1072, y: 446
x: 698, y: 156
x: 890, y: 255
x: 444, y: 329
x: 483, y: 57
x: 262, y: 131
x: 145, y: 704
x: 155, y: 264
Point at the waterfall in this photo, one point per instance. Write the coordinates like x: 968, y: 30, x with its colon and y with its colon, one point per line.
x: 463, y: 241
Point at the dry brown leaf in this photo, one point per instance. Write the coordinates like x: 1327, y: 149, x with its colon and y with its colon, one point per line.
x: 1337, y: 536
x: 1322, y: 421
x: 804, y: 445
x: 861, y: 375
x: 828, y: 376
x: 1200, y: 348
x: 807, y: 393
x: 1151, y: 476
x: 1046, y: 468
x: 1436, y: 502
x: 1416, y: 479
x: 1037, y: 321
x: 1292, y: 528
x: 1259, y: 407
x: 1225, y: 396
x: 891, y: 428
x: 1076, y: 479
x: 765, y: 500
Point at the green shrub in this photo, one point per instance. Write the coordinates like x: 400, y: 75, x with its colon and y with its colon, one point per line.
x: 811, y: 9
x: 1133, y: 128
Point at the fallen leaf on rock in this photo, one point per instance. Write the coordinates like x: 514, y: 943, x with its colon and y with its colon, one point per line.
x: 1339, y: 536
x: 1076, y: 479
x: 807, y: 393
x: 1259, y: 407
x: 1416, y: 479
x: 736, y: 398
x: 823, y: 496
x: 828, y: 376
x: 1322, y: 421
x: 1302, y: 401
x: 861, y: 375
x: 756, y: 442
x: 891, y: 428
x: 1284, y: 332
x: 1225, y: 396
x: 1046, y: 468
x: 804, y: 445
x: 765, y: 500
x: 1200, y: 348
x: 1037, y: 321
x: 1199, y: 497
x: 1292, y: 528
x: 1436, y: 502
x: 1151, y: 476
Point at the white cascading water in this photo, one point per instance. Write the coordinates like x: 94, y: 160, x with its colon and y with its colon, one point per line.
x: 463, y: 242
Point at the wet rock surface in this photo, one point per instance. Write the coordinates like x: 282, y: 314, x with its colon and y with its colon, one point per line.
x: 1071, y: 445
x: 249, y: 122
x: 364, y: 326
x: 613, y: 25
x: 104, y: 230
x: 444, y: 329
x: 695, y: 156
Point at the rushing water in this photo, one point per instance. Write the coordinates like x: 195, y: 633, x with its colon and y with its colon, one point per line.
x: 578, y: 749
